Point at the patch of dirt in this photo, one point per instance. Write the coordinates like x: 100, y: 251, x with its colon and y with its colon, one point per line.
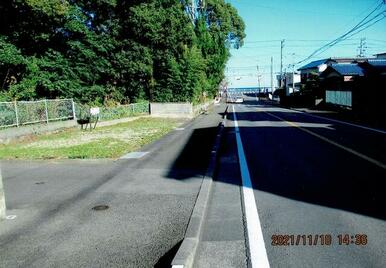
x: 83, y: 137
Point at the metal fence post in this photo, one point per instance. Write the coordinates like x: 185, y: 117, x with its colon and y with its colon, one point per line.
x: 16, y: 114
x: 73, y: 109
x: 132, y: 105
x: 2, y: 198
x: 46, y: 106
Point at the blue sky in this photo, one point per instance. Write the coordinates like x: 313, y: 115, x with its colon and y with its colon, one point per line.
x: 305, y: 25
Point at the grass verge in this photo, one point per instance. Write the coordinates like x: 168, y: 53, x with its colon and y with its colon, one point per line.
x: 103, y: 142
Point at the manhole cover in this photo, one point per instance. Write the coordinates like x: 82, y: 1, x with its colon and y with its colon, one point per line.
x: 40, y: 182
x: 100, y: 207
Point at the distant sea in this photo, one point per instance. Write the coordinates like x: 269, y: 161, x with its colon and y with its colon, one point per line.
x: 248, y: 89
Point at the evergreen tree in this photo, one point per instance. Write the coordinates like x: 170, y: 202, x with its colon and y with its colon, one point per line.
x: 114, y: 50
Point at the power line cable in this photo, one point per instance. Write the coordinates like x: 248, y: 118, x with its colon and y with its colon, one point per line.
x: 343, y: 37
x: 368, y: 26
x: 355, y: 30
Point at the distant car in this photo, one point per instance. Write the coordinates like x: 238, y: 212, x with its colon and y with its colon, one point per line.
x: 230, y: 99
x: 239, y: 100
x: 235, y: 99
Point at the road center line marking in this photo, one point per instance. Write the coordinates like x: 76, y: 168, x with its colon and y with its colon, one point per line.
x: 258, y: 253
x: 365, y: 157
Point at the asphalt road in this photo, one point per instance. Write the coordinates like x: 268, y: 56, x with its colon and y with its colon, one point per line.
x: 312, y: 177
x: 150, y: 202
x: 223, y: 239
x: 312, y: 181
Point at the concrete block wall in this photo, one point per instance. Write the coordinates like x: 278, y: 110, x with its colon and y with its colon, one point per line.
x: 171, y: 109
x: 178, y: 109
x: 202, y: 107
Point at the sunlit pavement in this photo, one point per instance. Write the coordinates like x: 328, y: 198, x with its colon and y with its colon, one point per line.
x: 104, y: 213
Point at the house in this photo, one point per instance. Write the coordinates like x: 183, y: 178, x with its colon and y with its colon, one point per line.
x: 355, y: 83
x: 373, y: 92
x: 340, y: 82
x: 291, y: 82
x: 380, y: 55
x: 360, y: 86
x: 376, y: 66
x: 315, y: 68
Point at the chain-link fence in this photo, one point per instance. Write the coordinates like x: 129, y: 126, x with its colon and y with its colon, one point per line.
x: 110, y: 113
x: 20, y: 113
x: 44, y: 111
x: 8, y: 114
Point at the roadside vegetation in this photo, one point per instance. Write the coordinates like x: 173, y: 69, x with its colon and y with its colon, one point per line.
x: 115, y: 51
x: 102, y: 142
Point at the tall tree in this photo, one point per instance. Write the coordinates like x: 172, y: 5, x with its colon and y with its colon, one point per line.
x: 114, y: 50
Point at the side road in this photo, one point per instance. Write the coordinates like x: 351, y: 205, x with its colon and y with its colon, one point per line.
x: 149, y: 201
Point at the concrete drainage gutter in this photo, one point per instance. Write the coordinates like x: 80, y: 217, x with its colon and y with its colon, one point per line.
x: 187, y: 251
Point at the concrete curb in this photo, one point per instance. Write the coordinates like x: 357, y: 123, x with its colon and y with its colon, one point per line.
x: 187, y: 251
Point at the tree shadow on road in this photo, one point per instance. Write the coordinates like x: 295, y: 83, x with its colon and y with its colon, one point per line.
x: 293, y: 164
x: 193, y: 159
x: 167, y: 258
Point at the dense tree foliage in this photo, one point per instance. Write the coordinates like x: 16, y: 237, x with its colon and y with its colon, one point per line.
x: 114, y: 50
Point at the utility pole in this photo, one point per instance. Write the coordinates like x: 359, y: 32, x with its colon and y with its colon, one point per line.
x: 293, y: 73
x: 293, y: 78
x: 362, y: 48
x: 258, y: 77
x: 281, y: 61
x: 272, y: 75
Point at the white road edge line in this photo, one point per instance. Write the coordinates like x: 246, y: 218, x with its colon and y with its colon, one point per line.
x: 258, y: 253
x: 341, y: 122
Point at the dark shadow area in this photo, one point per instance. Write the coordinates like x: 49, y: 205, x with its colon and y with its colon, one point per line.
x: 259, y: 95
x: 297, y: 101
x: 291, y: 116
x: 371, y: 115
x: 166, y: 260
x: 225, y: 112
x: 375, y: 119
x: 193, y: 159
x: 370, y: 143
x: 291, y: 163
x: 249, y: 102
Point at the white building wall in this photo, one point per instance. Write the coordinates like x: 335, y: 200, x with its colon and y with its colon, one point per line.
x: 290, y: 79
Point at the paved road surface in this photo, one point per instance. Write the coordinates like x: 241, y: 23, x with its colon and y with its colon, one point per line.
x: 150, y: 202
x: 280, y: 172
x: 323, y: 178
